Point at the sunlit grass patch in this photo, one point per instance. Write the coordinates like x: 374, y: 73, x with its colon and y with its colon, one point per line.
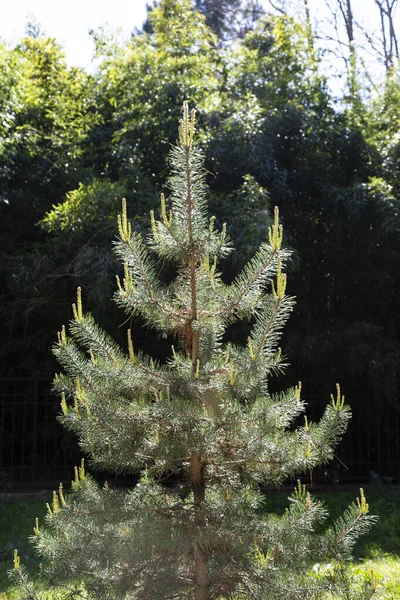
x: 386, y: 569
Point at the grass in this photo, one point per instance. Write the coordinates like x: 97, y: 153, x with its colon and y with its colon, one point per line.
x: 380, y: 550
x: 17, y: 520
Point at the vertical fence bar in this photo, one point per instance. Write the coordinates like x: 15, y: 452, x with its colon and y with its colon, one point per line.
x: 34, y: 432
x: 2, y: 421
x: 397, y: 445
x: 358, y: 449
x: 13, y: 436
x: 382, y: 457
x: 24, y: 414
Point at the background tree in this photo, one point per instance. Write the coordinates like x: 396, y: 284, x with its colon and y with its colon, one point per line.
x: 230, y: 19
x: 346, y: 11
x: 390, y: 45
x: 47, y: 109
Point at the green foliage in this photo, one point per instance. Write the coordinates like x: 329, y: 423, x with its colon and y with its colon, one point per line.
x: 230, y: 18
x: 94, y: 203
x: 52, y: 111
x: 382, y: 130
x: 240, y: 209
x: 274, y: 63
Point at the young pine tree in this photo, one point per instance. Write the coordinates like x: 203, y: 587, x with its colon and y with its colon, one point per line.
x: 204, y: 415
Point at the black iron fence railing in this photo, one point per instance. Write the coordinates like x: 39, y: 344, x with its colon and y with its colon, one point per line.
x: 36, y: 452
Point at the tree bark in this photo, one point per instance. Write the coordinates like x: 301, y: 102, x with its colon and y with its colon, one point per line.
x: 197, y: 463
x: 310, y: 35
x: 198, y: 479
x: 389, y: 38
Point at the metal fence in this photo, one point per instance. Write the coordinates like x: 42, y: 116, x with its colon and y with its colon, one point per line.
x: 36, y: 452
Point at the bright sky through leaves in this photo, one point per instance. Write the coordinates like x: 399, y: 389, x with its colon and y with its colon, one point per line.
x: 70, y: 22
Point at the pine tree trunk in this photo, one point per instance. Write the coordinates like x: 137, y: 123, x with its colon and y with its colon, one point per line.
x: 197, y: 465
x: 197, y: 476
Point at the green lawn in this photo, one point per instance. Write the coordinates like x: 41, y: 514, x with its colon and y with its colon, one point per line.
x: 379, y: 551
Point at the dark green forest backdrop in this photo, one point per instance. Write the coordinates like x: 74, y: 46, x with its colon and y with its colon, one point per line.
x: 72, y: 144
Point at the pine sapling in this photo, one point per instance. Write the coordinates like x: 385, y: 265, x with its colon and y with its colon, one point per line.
x: 204, y: 415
